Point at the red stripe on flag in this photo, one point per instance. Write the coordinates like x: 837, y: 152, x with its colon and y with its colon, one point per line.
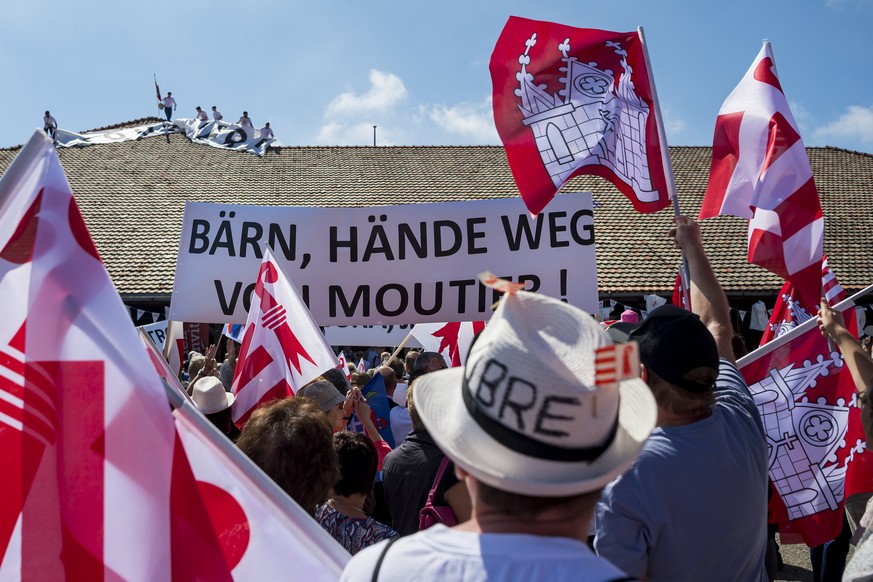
x: 725, y: 154
x: 64, y: 510
x: 765, y: 250
x: 781, y: 137
x: 798, y: 210
x: 282, y: 389
x: 254, y: 364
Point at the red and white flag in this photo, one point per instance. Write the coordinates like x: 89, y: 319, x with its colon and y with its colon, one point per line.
x: 174, y: 346
x: 263, y: 533
x: 362, y: 365
x: 816, y: 445
x: 162, y: 367
x: 282, y: 347
x: 788, y: 312
x: 573, y: 101
x: 344, y: 366
x: 760, y: 171
x: 80, y: 405
x: 680, y: 298
x: 452, y: 339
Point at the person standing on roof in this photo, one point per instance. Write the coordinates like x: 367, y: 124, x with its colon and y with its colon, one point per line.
x: 245, y: 120
x: 216, y: 114
x: 50, y: 125
x: 201, y: 115
x: 266, y: 132
x: 169, y: 105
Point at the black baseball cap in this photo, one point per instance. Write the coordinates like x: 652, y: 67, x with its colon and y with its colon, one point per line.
x: 673, y: 342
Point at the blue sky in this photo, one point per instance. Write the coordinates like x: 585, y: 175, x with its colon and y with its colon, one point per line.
x: 323, y: 73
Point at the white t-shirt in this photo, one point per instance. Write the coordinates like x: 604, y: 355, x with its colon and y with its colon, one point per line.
x: 49, y: 121
x: 440, y: 553
x: 169, y: 102
x: 216, y: 115
x: 266, y: 132
x: 245, y: 121
x: 400, y: 393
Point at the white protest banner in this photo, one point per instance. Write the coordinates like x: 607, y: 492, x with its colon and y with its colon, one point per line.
x: 413, y: 263
x: 369, y: 335
x: 157, y: 332
x: 212, y: 133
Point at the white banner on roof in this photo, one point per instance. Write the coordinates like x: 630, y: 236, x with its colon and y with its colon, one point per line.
x: 387, y: 265
x: 212, y: 133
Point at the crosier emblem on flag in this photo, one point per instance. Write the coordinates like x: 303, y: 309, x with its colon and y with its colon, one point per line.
x: 572, y: 101
x: 282, y: 347
x: 816, y: 445
x: 760, y: 171
x: 452, y: 339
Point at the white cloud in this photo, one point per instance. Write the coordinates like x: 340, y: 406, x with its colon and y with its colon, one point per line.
x: 470, y: 120
x: 856, y: 124
x: 386, y: 90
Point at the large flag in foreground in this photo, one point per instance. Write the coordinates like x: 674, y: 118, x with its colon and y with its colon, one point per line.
x: 282, y: 347
x: 451, y: 339
x: 263, y: 534
x: 572, y: 101
x: 815, y: 441
x: 760, y: 171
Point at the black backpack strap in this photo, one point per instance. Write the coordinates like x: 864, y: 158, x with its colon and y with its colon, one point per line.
x: 624, y: 579
x: 382, y: 557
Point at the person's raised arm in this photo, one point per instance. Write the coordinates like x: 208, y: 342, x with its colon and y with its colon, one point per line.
x: 860, y: 364
x: 707, y: 297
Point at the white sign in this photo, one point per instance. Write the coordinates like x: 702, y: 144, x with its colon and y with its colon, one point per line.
x: 369, y: 335
x: 380, y: 265
x: 157, y: 332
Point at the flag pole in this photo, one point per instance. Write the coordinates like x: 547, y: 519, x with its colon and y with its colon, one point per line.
x: 684, y: 272
x: 402, y: 344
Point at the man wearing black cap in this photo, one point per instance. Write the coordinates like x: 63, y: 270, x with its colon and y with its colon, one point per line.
x: 694, y: 504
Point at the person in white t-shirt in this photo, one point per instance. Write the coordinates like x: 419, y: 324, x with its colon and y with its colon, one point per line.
x: 534, y: 439
x: 50, y: 124
x: 245, y: 120
x: 216, y: 114
x: 266, y: 132
x: 201, y: 115
x: 169, y: 105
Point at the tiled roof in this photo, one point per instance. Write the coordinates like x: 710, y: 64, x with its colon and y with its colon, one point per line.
x: 132, y: 196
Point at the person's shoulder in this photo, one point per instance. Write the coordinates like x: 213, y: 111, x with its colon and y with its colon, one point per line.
x: 362, y: 564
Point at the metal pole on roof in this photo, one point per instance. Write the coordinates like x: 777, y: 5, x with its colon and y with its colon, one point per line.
x: 374, y: 136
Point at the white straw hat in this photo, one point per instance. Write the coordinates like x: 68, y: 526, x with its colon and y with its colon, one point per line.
x: 524, y: 414
x: 210, y: 396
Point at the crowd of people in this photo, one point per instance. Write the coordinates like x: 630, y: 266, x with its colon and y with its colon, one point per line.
x: 528, y: 463
x: 168, y: 105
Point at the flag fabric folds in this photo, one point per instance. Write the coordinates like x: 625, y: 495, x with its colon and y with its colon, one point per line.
x: 262, y: 533
x: 816, y: 445
x: 174, y: 346
x: 788, y: 312
x: 282, y: 347
x: 760, y: 171
x: 451, y: 339
x: 572, y: 101
x: 81, y: 406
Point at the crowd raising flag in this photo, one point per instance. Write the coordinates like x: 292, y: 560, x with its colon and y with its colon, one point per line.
x: 816, y: 446
x: 452, y: 339
x: 760, y: 171
x: 282, y: 347
x: 572, y: 101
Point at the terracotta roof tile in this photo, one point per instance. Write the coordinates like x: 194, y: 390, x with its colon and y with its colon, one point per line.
x: 132, y: 196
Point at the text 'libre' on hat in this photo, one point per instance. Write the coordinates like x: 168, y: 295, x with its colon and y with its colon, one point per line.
x: 525, y: 416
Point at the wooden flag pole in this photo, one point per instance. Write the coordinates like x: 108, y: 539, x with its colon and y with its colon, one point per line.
x: 684, y: 272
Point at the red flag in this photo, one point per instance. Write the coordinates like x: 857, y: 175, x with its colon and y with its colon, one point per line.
x: 816, y: 444
x: 679, y: 294
x: 262, y: 533
x: 282, y: 347
x: 572, y: 101
x: 760, y: 171
x: 158, y: 90
x: 452, y: 340
x: 788, y: 312
x: 174, y: 346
